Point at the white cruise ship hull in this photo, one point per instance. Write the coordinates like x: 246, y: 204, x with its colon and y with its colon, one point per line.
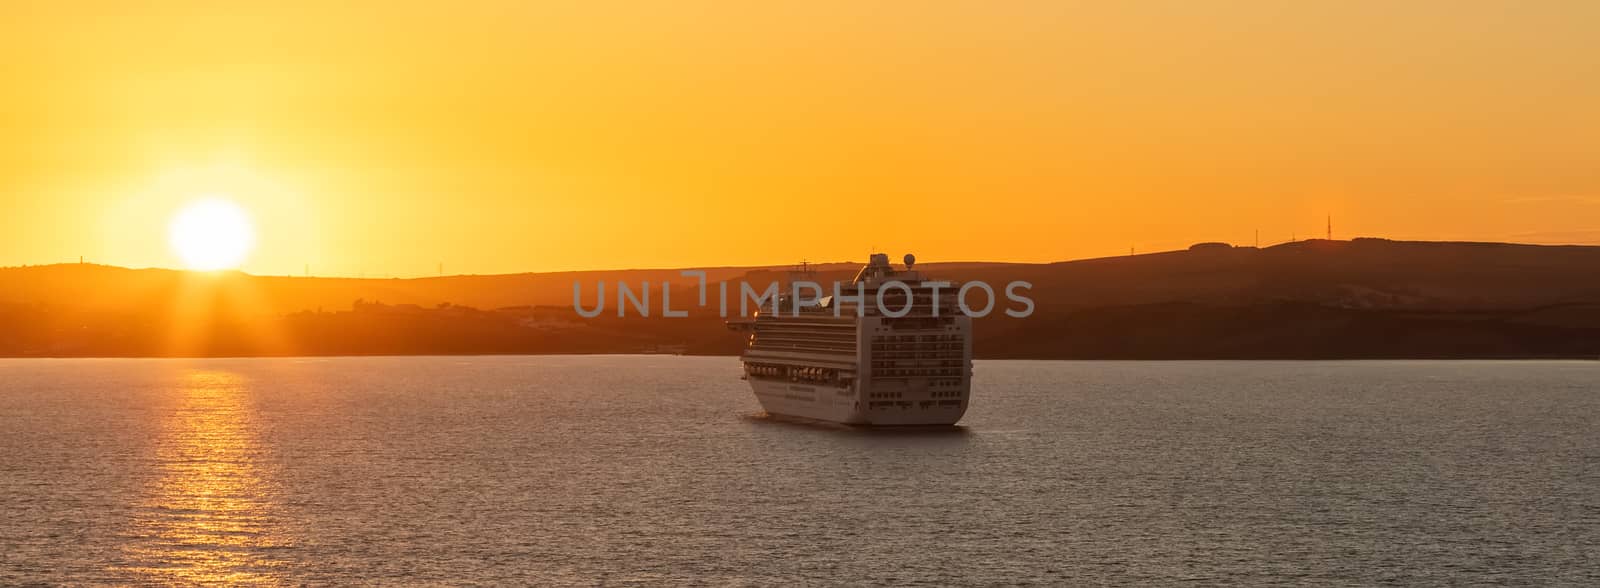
x: 847, y: 361
x: 806, y: 401
x: 840, y: 405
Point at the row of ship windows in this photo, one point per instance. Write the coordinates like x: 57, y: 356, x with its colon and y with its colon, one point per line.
x: 841, y: 335
x: 889, y: 363
x: 888, y: 355
x: 833, y: 348
x: 769, y: 339
x: 945, y: 320
x: 787, y: 334
x: 880, y: 404
x: 899, y: 395
x: 924, y: 372
x: 793, y: 373
x: 916, y: 346
x: 915, y: 338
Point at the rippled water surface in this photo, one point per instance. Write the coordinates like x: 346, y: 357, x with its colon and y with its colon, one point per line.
x: 521, y: 470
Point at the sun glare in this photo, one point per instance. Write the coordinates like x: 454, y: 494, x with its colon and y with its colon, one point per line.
x: 211, y: 234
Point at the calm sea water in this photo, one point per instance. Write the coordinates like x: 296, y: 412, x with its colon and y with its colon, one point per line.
x: 523, y: 470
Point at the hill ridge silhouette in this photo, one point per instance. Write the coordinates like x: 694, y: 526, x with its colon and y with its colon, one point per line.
x: 1313, y: 298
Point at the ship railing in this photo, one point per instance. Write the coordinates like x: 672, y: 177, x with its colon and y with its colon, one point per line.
x: 810, y: 322
x: 850, y: 353
x: 804, y: 348
x: 805, y: 338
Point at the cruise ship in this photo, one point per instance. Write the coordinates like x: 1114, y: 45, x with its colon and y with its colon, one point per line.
x: 860, y: 366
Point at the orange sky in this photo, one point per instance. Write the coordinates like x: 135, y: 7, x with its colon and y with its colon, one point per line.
x: 383, y: 138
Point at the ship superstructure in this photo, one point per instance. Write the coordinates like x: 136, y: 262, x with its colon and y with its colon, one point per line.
x: 848, y: 359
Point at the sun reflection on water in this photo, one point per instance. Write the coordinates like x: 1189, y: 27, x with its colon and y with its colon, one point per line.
x: 210, y: 516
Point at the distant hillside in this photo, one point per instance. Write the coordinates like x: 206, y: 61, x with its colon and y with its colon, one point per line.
x: 1362, y: 298
x: 102, y: 287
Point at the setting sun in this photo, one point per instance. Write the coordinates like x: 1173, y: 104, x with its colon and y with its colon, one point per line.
x: 211, y: 234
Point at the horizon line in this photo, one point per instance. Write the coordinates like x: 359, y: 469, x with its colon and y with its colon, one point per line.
x: 86, y: 262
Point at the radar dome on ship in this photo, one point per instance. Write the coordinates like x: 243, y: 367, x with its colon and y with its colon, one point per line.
x: 910, y: 260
